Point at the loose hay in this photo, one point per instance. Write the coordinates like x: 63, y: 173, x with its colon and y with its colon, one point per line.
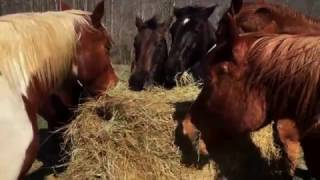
x: 138, y: 141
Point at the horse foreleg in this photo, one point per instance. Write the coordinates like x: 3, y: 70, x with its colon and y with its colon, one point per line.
x: 194, y: 135
x: 289, y: 137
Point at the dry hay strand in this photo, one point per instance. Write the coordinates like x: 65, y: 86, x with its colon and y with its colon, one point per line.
x: 138, y: 141
x: 184, y: 79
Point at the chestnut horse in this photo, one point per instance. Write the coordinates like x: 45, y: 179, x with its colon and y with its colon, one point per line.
x: 260, y: 77
x: 151, y: 53
x: 42, y: 52
x: 255, y: 16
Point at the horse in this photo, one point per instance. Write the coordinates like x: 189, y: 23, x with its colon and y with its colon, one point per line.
x: 41, y: 53
x: 255, y: 16
x: 192, y: 36
x: 271, y: 18
x: 151, y: 53
x: 258, y: 77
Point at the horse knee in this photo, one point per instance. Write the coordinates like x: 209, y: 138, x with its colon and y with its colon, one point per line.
x: 289, y: 137
x: 194, y: 136
x: 188, y: 128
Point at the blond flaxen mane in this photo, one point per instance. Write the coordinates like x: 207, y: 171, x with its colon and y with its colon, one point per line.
x: 38, y: 45
x: 288, y: 66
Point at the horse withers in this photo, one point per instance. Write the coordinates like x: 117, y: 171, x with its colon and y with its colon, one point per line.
x: 255, y: 16
x: 151, y: 53
x: 260, y: 77
x: 40, y: 53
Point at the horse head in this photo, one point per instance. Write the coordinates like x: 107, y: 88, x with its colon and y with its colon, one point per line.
x: 151, y: 53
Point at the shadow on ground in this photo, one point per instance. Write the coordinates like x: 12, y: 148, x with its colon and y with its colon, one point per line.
x: 49, y: 163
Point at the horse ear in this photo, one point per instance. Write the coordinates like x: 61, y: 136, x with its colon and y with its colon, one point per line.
x: 265, y: 14
x: 139, y: 23
x: 236, y: 6
x: 271, y: 28
x: 64, y: 6
x: 239, y: 51
x: 233, y: 28
x: 166, y: 25
x: 97, y: 14
x: 264, y: 11
x: 208, y: 11
x: 177, y: 12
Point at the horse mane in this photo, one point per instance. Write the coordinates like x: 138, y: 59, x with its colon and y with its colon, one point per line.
x: 39, y: 45
x: 284, y: 10
x: 288, y: 67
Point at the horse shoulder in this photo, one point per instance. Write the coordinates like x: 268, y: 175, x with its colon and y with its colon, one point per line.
x: 16, y: 132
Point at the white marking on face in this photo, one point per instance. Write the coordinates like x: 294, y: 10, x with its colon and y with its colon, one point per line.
x: 16, y: 132
x: 212, y: 48
x: 185, y: 21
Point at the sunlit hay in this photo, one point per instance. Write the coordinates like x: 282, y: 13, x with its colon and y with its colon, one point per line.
x: 266, y: 143
x: 184, y: 79
x: 138, y: 141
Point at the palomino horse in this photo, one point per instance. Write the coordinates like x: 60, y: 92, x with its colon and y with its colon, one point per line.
x: 192, y: 36
x: 151, y: 53
x: 40, y: 53
x: 261, y: 77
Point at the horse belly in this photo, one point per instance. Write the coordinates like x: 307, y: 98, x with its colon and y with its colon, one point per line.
x: 16, y: 132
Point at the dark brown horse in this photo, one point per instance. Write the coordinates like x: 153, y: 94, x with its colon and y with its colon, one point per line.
x: 261, y: 77
x: 192, y: 36
x: 39, y: 60
x: 151, y: 53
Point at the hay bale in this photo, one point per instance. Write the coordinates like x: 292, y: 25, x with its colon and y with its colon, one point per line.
x: 138, y: 141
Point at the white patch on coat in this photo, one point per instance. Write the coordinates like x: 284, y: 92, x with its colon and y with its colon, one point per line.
x: 16, y: 132
x: 212, y: 48
x: 185, y: 21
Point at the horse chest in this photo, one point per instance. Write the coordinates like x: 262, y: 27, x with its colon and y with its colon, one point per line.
x: 16, y: 132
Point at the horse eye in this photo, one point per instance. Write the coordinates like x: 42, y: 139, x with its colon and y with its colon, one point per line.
x: 107, y: 47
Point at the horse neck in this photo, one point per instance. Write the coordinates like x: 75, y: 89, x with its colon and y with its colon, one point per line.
x: 38, y: 91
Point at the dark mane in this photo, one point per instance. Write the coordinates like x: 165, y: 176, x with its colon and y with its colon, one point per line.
x: 288, y: 67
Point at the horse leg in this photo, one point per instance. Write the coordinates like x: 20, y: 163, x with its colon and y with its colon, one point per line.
x: 311, y: 147
x: 57, y: 114
x: 289, y: 137
x: 194, y: 135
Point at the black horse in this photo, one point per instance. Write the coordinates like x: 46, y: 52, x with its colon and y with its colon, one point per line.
x: 192, y: 36
x: 151, y: 53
